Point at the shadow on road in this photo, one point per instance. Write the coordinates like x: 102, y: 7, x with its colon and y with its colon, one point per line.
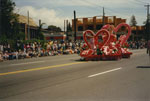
x: 81, y: 60
x: 143, y: 67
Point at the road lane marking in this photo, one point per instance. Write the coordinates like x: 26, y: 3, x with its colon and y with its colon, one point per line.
x: 104, y: 72
x: 41, y: 68
x: 27, y: 63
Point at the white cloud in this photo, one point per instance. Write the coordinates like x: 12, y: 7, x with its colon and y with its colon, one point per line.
x: 48, y: 16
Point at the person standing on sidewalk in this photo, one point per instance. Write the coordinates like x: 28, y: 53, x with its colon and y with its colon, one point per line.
x: 148, y: 47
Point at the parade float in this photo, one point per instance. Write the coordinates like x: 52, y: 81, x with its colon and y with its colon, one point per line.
x: 104, y: 45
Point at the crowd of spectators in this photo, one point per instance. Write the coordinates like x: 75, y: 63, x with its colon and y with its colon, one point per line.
x: 36, y: 49
x: 137, y: 44
x: 51, y: 48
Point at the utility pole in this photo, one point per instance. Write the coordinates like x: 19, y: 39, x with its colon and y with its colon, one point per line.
x: 75, y: 31
x: 28, y: 27
x: 148, y: 23
x: 103, y: 16
x: 67, y: 30
x: 147, y: 10
x: 64, y: 26
x: 39, y: 30
x: 0, y: 17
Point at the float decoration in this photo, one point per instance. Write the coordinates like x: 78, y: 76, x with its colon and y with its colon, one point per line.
x: 109, y: 48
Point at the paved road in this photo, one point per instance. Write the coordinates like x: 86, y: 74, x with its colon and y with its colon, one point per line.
x: 65, y: 78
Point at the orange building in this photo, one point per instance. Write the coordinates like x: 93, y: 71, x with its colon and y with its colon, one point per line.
x: 95, y: 23
x: 138, y: 33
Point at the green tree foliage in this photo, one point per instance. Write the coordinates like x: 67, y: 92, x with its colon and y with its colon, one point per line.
x: 16, y: 29
x: 69, y: 28
x: 40, y: 34
x: 133, y: 21
x: 10, y: 27
x: 7, y: 16
x: 54, y: 28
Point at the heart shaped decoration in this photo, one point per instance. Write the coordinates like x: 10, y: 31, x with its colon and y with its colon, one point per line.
x: 89, y: 35
x: 105, y: 37
x: 123, y: 38
x: 110, y: 29
x: 94, y: 41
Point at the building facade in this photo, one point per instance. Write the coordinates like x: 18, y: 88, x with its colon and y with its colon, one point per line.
x: 95, y: 23
x: 33, y: 28
x: 59, y: 36
x: 138, y: 33
x: 30, y: 31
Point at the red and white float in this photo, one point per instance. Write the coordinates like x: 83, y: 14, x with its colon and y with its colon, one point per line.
x: 109, y: 48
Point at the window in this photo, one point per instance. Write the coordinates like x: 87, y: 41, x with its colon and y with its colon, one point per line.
x: 90, y: 27
x: 80, y: 28
x: 98, y: 27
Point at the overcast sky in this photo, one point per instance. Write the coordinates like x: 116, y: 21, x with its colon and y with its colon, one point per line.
x: 54, y: 12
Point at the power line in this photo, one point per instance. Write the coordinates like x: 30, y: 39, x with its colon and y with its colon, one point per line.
x: 90, y: 7
x: 99, y: 7
x: 140, y: 1
x: 114, y: 11
x: 137, y: 2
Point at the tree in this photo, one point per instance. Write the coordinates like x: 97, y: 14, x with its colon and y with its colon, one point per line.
x: 69, y: 28
x: 54, y: 28
x: 10, y: 27
x: 40, y: 35
x: 16, y: 29
x: 7, y: 17
x: 133, y: 21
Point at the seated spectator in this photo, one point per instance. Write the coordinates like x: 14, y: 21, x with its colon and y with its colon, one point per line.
x: 6, y: 55
x: 70, y: 50
x: 46, y: 53
x: 16, y: 54
x: 31, y: 53
x: 1, y: 57
x: 24, y: 54
x: 10, y: 55
x: 75, y: 50
x: 59, y: 52
x: 65, y: 52
x: 27, y: 55
x: 55, y: 53
x: 35, y: 54
x: 41, y: 54
x: 20, y: 54
x: 49, y: 53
